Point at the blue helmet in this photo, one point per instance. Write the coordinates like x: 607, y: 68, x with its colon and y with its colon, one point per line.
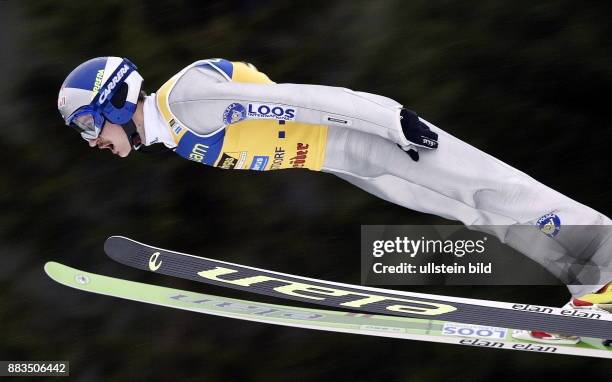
x: 101, y: 89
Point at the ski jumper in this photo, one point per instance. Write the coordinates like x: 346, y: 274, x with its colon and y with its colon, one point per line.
x: 230, y: 115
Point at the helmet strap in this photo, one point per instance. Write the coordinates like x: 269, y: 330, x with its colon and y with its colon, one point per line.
x: 130, y: 130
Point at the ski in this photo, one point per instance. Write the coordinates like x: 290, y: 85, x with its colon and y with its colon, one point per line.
x: 325, y: 320
x: 359, y: 298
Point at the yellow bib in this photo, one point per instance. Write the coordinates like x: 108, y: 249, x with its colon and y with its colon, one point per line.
x: 251, y: 144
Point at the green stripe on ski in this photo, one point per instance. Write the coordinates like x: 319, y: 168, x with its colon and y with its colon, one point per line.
x: 203, y: 303
x: 377, y: 325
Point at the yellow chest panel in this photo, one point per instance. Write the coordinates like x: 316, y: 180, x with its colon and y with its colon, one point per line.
x: 268, y: 145
x: 252, y: 144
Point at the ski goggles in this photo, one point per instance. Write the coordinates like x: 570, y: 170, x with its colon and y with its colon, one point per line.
x: 87, y: 122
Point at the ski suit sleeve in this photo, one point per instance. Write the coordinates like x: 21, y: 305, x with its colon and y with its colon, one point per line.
x: 198, y: 101
x: 320, y: 105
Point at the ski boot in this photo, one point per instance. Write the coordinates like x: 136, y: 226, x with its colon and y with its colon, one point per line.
x: 600, y: 301
x: 546, y: 338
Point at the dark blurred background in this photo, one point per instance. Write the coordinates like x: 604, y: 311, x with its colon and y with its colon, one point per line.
x: 528, y: 82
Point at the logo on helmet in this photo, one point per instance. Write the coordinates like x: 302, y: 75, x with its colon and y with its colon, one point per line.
x: 113, y: 83
x: 234, y: 113
x: 98, y: 82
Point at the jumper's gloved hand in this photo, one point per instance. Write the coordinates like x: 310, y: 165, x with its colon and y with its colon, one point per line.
x: 417, y: 133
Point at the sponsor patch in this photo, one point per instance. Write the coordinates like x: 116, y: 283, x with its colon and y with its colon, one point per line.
x: 549, y: 224
x: 242, y: 157
x: 234, y: 113
x: 175, y: 127
x: 230, y: 161
x: 98, y: 81
x: 279, y: 158
x: 200, y: 149
x: 270, y: 111
x: 301, y: 154
x: 198, y: 152
x: 259, y: 163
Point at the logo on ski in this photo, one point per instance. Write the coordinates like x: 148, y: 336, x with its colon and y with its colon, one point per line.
x: 478, y: 331
x: 503, y: 345
x: 364, y: 300
x: 422, y: 329
x: 153, y: 263
x: 347, y: 299
x: 548, y: 310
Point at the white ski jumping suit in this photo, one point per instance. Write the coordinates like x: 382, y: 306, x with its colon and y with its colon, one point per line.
x: 230, y: 115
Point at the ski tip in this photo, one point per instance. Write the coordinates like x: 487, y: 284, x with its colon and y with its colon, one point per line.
x: 53, y: 270
x: 113, y: 243
x: 49, y: 266
x: 118, y: 237
x: 65, y: 275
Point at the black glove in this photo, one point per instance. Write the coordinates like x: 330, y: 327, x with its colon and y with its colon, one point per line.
x: 417, y: 133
